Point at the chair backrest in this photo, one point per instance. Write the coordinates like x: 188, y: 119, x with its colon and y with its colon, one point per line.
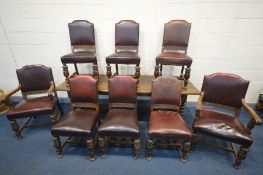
x: 166, y: 93
x: 224, y: 89
x: 127, y: 35
x: 81, y: 33
x: 123, y: 90
x: 83, y: 89
x: 34, y: 78
x: 176, y: 35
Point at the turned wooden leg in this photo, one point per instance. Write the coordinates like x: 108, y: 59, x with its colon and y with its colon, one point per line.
x: 102, y: 146
x: 60, y: 108
x: 149, y: 148
x: 109, y: 73
x: 90, y: 145
x: 137, y: 71
x: 15, y: 128
x: 136, y: 146
x: 95, y: 70
x: 185, y: 150
x: 186, y: 76
x: 66, y: 73
x: 53, y: 119
x: 156, y: 71
x: 183, y: 101
x: 57, y: 145
x: 241, y: 155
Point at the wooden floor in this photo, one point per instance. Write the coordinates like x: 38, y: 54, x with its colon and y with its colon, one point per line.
x: 144, y: 87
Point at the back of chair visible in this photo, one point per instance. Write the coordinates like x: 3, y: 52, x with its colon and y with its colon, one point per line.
x: 166, y: 93
x: 176, y: 33
x: 123, y: 91
x: 83, y: 89
x: 224, y: 89
x: 34, y: 78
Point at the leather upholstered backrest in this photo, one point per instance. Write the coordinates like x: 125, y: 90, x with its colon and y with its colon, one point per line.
x: 127, y: 33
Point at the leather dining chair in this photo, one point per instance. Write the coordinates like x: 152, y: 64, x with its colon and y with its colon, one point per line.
x: 121, y: 120
x: 167, y: 127
x: 174, y: 49
x: 83, y: 48
x: 126, y: 47
x: 82, y: 119
x: 218, y: 113
x: 33, y: 80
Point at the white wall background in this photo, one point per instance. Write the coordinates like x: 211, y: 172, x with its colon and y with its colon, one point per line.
x: 226, y: 35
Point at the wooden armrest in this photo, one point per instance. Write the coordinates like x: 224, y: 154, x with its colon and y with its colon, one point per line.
x: 253, y: 115
x: 199, y: 103
x: 8, y: 95
x: 51, y: 89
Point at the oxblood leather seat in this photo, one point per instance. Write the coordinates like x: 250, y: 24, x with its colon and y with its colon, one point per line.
x: 33, y: 80
x: 227, y: 92
x: 122, y: 119
x: 81, y: 121
x: 166, y: 122
x: 174, y: 49
x: 126, y: 47
x: 83, y: 47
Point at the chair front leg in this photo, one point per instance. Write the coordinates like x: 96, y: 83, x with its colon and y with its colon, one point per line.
x: 66, y: 73
x: 15, y: 128
x: 91, y: 146
x: 186, y: 76
x: 136, y: 145
x: 137, y: 71
x: 109, y: 73
x: 156, y: 70
x: 149, y: 148
x: 102, y: 145
x: 241, y: 155
x: 53, y: 118
x: 185, y: 150
x: 95, y: 70
x: 57, y: 145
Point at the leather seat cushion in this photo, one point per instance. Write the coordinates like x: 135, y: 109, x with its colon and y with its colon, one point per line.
x: 32, y: 107
x: 79, y: 122
x: 120, y: 122
x: 168, y: 125
x: 222, y: 126
x: 79, y: 57
x: 174, y: 58
x: 123, y: 57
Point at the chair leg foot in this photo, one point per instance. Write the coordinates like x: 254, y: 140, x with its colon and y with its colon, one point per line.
x: 186, y: 76
x: 102, y: 144
x: 241, y: 155
x: 149, y: 148
x: 57, y: 145
x: 185, y: 150
x: 136, y: 145
x: 15, y: 128
x: 90, y: 145
x: 137, y: 72
x: 66, y: 73
x: 109, y: 73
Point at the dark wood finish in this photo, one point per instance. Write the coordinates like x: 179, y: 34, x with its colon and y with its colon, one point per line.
x: 3, y: 106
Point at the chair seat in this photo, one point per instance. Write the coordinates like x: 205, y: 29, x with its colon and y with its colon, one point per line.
x: 168, y: 125
x: 79, y: 122
x: 79, y: 57
x: 123, y: 57
x: 174, y: 58
x: 222, y: 126
x: 32, y: 107
x: 120, y: 122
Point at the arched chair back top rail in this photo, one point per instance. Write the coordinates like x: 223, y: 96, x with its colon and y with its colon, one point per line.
x: 174, y: 49
x: 126, y: 47
x: 167, y: 127
x: 122, y: 119
x: 82, y: 38
x: 82, y: 119
x: 218, y: 112
x: 33, y: 80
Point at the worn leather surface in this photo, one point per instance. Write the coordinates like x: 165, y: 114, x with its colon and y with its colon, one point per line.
x: 79, y: 122
x: 34, y: 77
x: 32, y: 107
x: 222, y: 126
x: 79, y: 57
x: 83, y: 88
x: 122, y: 89
x: 174, y: 58
x: 166, y: 90
x: 127, y: 33
x: 225, y: 89
x: 123, y: 57
x: 120, y: 122
x: 81, y: 33
x: 176, y: 32
x: 168, y: 125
